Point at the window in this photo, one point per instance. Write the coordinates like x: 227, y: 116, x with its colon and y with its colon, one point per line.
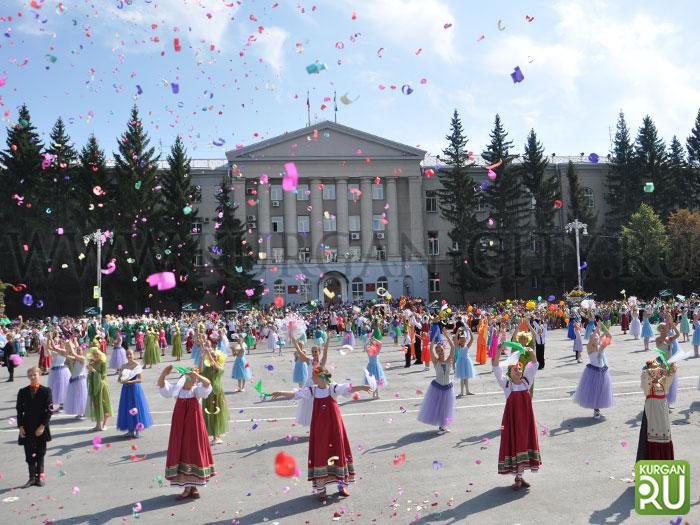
x: 304, y: 289
x: 533, y: 282
x: 480, y: 205
x: 455, y: 247
x: 331, y: 254
x: 534, y: 246
x: 433, y: 244
x: 303, y: 223
x: 277, y: 224
x: 355, y: 253
x: 198, y: 259
x: 431, y: 202
x: 370, y: 287
x: 329, y: 224
x: 304, y: 255
x: 377, y: 223
x: 276, y: 193
x: 197, y: 194
x: 383, y: 282
x: 303, y: 192
x: 589, y: 197
x: 358, y: 289
x: 278, y: 255
x: 196, y: 228
x: 329, y: 192
x: 353, y: 191
x: 378, y: 192
x: 354, y: 223
x: 379, y: 252
x: 279, y: 287
x: 434, y: 283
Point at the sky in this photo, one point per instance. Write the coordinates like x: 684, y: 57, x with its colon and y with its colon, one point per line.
x: 404, y: 66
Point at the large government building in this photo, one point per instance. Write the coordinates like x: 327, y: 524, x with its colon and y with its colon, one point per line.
x: 364, y: 217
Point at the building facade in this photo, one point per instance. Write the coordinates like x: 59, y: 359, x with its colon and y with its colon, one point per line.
x: 363, y: 219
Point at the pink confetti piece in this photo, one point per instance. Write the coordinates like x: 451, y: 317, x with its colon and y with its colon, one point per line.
x: 291, y: 178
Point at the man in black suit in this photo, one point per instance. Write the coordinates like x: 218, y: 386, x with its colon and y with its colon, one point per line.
x: 33, y: 415
x: 9, y: 350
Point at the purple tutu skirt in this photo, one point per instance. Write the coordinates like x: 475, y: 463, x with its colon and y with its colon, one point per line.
x: 438, y: 406
x: 118, y: 358
x: 595, y: 388
x: 672, y: 391
x: 58, y: 383
x: 76, y: 396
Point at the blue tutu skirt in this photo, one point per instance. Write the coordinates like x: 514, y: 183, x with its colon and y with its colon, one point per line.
x: 374, y: 367
x: 464, y: 368
x: 240, y: 371
x: 301, y: 373
x: 647, y: 330
x: 438, y: 406
x: 595, y: 388
x: 696, y: 336
x: 197, y: 356
x: 571, y: 334
x: 589, y: 329
x: 132, y: 397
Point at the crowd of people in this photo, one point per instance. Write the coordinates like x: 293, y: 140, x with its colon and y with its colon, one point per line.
x: 77, y: 355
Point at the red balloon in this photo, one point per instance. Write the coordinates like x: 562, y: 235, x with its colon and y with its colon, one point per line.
x: 429, y: 172
x: 285, y: 465
x: 279, y: 301
x: 558, y: 204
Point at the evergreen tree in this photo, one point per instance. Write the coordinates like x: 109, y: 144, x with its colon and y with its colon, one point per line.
x: 20, y: 176
x: 56, y: 192
x: 95, y: 205
x: 650, y: 165
x: 693, y: 147
x: 135, y: 168
x: 456, y: 199
x: 507, y: 207
x: 578, y: 202
x: 645, y: 247
x: 234, y: 258
x: 677, y: 186
x: 624, y: 189
x: 684, y: 253
x: 179, y: 197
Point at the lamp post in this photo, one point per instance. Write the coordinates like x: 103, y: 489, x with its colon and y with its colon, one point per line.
x: 99, y: 238
x: 576, y: 227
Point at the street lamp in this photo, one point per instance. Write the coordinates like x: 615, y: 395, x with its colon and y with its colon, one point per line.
x: 577, y: 226
x: 99, y: 238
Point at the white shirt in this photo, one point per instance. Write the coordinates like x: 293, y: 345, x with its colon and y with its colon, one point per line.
x: 540, y: 332
x: 333, y: 390
x: 199, y: 391
x: 508, y: 386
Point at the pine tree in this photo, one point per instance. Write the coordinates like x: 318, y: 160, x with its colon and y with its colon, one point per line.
x: 96, y: 205
x: 649, y: 162
x: 20, y: 176
x: 234, y: 259
x: 179, y: 196
x: 624, y: 190
x: 684, y: 253
x: 645, y: 247
x: 677, y: 186
x: 456, y: 199
x: 693, y: 147
x: 135, y: 168
x: 508, y: 209
x: 56, y: 192
x: 578, y: 202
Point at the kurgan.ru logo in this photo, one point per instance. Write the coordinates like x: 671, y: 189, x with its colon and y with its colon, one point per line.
x: 662, y: 487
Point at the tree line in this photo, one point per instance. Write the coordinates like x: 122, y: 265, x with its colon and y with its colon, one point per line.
x: 53, y: 195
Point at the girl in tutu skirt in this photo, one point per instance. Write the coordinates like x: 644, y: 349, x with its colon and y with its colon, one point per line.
x: 519, y: 449
x: 118, y: 358
x: 374, y: 367
x: 438, y: 406
x: 655, y: 431
x: 578, y: 341
x: 189, y: 463
x: 590, y: 327
x: 214, y: 405
x: 647, y: 332
x: 77, y: 394
x: 330, y: 455
x: 464, y: 368
x: 59, y: 377
x: 241, y: 370
x: 696, y: 333
x: 99, y: 404
x: 595, y: 386
x: 635, y: 323
x: 571, y: 334
x: 348, y: 336
x: 668, y: 342
x: 133, y: 415
x: 318, y: 360
x: 300, y: 374
x: 684, y: 325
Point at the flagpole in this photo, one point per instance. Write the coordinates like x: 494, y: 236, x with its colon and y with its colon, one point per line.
x: 335, y: 108
x: 308, y: 109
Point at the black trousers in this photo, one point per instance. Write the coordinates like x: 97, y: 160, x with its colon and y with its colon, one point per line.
x: 418, y: 346
x: 539, y: 352
x: 10, y: 369
x: 34, y: 452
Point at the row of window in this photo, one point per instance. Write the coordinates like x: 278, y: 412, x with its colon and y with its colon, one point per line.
x: 303, y: 192
x: 330, y: 255
x: 329, y: 223
x: 431, y: 201
x: 358, y: 287
x: 434, y: 282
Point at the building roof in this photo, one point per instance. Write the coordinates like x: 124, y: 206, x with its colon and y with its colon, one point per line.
x: 432, y: 161
x: 249, y: 152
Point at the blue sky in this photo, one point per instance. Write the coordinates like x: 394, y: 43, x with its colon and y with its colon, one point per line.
x: 242, y: 77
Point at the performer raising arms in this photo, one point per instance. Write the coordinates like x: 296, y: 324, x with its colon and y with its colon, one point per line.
x: 438, y: 406
x: 189, y: 463
x: 519, y: 449
x: 133, y: 414
x: 318, y: 360
x: 595, y: 386
x: 215, y: 408
x: 330, y: 454
x: 655, y: 431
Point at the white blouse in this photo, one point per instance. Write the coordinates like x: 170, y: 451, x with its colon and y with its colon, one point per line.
x: 508, y: 386
x: 199, y: 391
x: 334, y: 390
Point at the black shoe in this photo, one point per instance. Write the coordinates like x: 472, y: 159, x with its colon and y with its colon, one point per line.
x: 39, y: 482
x: 29, y: 483
x: 407, y: 366
x: 10, y: 380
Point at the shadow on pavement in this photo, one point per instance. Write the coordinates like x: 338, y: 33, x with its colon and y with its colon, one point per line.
x: 280, y: 511
x: 635, y: 421
x: 694, y: 407
x: 492, y: 498
x: 281, y: 442
x: 405, y: 440
x: 475, y: 440
x: 60, y: 450
x: 570, y: 425
x: 618, y: 511
x: 116, y: 513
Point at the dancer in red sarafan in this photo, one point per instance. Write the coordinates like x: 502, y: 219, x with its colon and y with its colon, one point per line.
x: 189, y: 463
x: 330, y: 454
